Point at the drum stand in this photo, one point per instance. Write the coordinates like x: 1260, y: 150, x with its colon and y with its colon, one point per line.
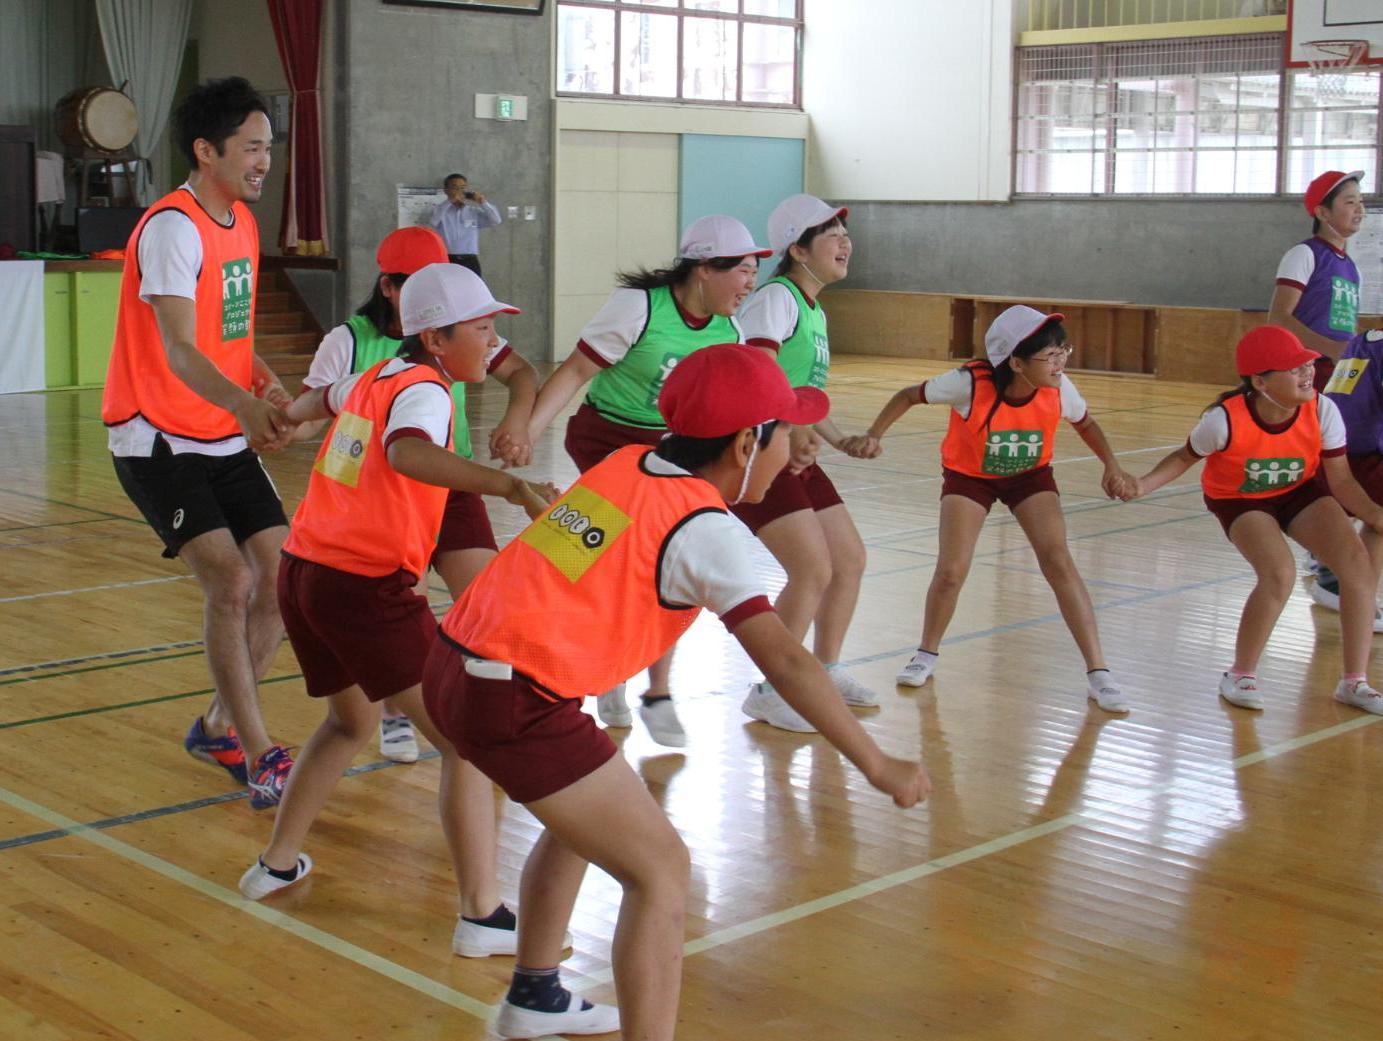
x: 125, y: 160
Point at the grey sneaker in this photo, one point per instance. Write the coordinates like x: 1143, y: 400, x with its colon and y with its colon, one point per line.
x: 397, y: 742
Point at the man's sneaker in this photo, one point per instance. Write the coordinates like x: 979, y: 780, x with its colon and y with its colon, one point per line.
x: 613, y: 708
x: 662, y: 722
x: 1314, y: 566
x: 224, y: 752
x: 268, y: 777
x: 1359, y: 694
x: 1324, y: 589
x: 397, y: 742
x: 1241, y: 691
x: 852, y: 691
x: 767, y: 706
x: 258, y: 882
x: 917, y: 671
x: 1108, y: 697
x: 474, y: 940
x: 516, y: 1022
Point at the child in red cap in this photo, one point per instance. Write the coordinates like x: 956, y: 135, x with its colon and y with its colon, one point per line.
x: 1269, y: 446
x: 599, y: 586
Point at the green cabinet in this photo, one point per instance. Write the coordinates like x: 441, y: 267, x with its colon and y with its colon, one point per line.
x: 79, y: 321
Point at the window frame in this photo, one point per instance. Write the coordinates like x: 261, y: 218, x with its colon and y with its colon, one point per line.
x: 1103, y: 78
x: 682, y: 12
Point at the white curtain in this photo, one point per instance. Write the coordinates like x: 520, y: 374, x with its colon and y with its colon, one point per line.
x: 144, y: 42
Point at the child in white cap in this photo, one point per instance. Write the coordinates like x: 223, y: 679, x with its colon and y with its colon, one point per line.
x: 648, y: 325
x: 346, y: 591
x: 998, y: 447
x: 601, y: 585
x: 802, y: 518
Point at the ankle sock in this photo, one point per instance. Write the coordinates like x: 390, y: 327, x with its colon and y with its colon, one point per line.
x: 1240, y: 675
x: 1350, y: 679
x: 540, y: 990
x: 1098, y: 678
x: 500, y: 918
x: 283, y: 876
x: 926, y: 655
x: 649, y: 699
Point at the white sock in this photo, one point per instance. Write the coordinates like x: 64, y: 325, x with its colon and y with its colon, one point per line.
x: 1098, y: 678
x: 925, y: 657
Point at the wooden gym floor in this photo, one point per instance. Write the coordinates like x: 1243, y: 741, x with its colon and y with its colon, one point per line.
x: 1189, y: 871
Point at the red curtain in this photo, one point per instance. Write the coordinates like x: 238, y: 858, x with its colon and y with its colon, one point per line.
x: 298, y: 30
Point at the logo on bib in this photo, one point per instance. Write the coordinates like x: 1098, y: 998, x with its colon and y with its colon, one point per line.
x: 1346, y: 375
x: 1344, y: 305
x: 1272, y: 475
x: 1009, y: 452
x: 344, y: 452
x: 665, y: 368
x: 576, y: 531
x: 237, y: 296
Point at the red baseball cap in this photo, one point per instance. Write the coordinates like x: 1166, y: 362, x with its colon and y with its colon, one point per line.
x: 723, y: 389
x: 1270, y: 348
x: 1326, y: 183
x: 406, y: 250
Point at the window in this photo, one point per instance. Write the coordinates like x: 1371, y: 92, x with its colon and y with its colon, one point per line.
x: 1207, y: 116
x: 737, y: 52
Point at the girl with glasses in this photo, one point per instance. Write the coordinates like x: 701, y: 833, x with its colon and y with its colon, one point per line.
x: 1270, y: 446
x: 1004, y: 417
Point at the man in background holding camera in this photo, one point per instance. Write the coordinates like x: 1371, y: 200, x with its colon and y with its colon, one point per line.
x: 460, y: 218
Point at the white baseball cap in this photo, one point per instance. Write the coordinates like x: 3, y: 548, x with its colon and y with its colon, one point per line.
x: 1007, y: 331
x: 440, y: 294
x: 718, y: 236
x: 796, y: 215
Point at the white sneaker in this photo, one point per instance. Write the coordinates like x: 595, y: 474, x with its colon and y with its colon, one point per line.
x: 917, y: 671
x: 397, y: 742
x: 1378, y: 619
x: 662, y: 722
x: 473, y: 940
x: 1242, y: 691
x: 1325, y: 597
x: 1108, y: 697
x: 767, y: 706
x: 515, y: 1022
x: 852, y: 691
x: 613, y: 708
x: 257, y: 883
x: 1360, y: 695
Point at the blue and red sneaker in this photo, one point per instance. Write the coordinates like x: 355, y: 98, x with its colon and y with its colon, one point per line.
x: 224, y: 752
x: 269, y: 776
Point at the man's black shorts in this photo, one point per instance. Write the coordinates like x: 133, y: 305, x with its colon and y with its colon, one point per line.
x: 186, y: 495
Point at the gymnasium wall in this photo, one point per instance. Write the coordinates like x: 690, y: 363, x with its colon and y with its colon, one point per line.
x: 909, y: 99
x: 1190, y: 253
x: 406, y: 80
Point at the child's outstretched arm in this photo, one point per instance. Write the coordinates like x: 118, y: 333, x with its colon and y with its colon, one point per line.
x: 870, y: 444
x: 431, y: 464
x: 1350, y: 492
x: 1117, y: 482
x: 1168, y: 469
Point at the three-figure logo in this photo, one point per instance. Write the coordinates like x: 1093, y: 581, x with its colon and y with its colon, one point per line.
x: 1344, y: 305
x: 237, y: 296
x: 1009, y: 452
x: 1272, y: 475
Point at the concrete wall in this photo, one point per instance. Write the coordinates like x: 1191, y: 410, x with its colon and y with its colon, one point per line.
x: 1186, y: 252
x: 406, y: 80
x: 909, y: 99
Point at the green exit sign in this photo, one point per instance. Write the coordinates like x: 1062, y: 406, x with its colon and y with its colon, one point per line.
x: 504, y: 107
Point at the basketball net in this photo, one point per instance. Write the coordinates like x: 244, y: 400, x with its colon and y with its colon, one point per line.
x: 1331, y: 63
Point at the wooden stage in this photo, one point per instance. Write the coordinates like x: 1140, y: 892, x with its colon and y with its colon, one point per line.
x: 1191, y: 871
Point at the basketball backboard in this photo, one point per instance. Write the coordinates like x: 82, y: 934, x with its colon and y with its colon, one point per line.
x: 1311, y: 20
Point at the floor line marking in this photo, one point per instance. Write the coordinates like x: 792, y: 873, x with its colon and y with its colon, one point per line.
x: 1092, y: 816
x: 60, y: 663
x: 95, y: 589
x: 328, y: 942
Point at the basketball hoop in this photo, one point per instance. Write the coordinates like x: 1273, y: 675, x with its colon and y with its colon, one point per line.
x: 1331, y: 63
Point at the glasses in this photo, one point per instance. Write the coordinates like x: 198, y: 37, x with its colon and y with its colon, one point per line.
x: 1055, y: 355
